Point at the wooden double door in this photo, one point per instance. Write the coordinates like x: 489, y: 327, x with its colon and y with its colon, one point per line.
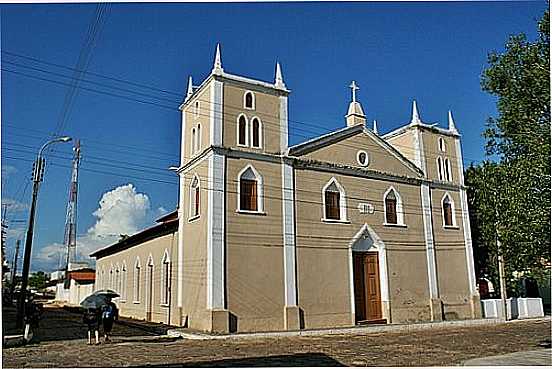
x: 367, y: 287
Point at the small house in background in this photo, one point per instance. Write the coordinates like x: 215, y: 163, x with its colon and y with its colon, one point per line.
x: 74, y: 285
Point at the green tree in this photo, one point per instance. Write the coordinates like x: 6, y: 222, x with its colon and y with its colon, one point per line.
x: 38, y: 280
x: 513, y: 194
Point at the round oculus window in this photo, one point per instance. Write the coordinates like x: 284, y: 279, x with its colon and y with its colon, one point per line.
x: 363, y: 158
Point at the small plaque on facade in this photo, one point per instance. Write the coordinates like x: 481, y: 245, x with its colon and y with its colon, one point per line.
x: 365, y: 208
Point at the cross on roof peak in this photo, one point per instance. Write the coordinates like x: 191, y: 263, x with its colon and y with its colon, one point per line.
x: 354, y: 88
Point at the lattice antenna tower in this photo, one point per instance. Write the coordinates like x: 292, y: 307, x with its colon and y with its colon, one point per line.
x: 70, y: 237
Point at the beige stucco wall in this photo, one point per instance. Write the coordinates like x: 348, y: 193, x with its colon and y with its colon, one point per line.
x: 255, y: 279
x: 345, y: 152
x: 267, y: 109
x: 194, y: 263
x: 450, y: 255
x: 323, y: 258
x: 404, y: 143
x: 127, y: 304
x: 193, y: 120
x: 431, y: 152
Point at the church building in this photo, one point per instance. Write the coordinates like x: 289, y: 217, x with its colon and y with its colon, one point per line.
x: 351, y: 227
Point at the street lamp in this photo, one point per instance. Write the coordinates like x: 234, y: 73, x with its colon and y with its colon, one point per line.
x: 38, y: 173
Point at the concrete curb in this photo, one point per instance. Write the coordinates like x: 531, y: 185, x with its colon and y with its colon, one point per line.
x: 14, y: 341
x: 390, y: 328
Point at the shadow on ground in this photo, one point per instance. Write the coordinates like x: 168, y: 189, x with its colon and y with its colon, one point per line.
x: 306, y: 359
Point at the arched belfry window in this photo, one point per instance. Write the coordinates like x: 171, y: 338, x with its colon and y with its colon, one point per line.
x: 250, y: 190
x: 448, y: 211
x: 442, y: 145
x: 440, y: 168
x: 198, y: 138
x: 193, y: 142
x: 448, y: 171
x: 393, y: 207
x: 242, y: 131
x: 334, y: 201
x: 194, y: 198
x: 249, y: 100
x: 256, y: 133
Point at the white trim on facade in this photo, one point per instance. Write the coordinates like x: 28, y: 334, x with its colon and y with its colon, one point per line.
x: 342, y: 202
x: 283, y: 124
x: 399, y: 209
x: 238, y: 130
x: 260, y: 132
x: 215, y: 232
x: 288, y: 224
x: 429, y: 243
x: 252, y: 100
x: 215, y: 138
x: 377, y: 246
x: 260, y: 190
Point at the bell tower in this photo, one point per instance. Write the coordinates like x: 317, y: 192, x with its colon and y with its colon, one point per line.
x: 355, y: 114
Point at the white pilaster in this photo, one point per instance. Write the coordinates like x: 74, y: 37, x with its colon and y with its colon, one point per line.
x: 215, y: 232
x: 430, y: 245
x: 419, y: 155
x: 466, y: 220
x: 180, y: 265
x: 215, y: 115
x: 288, y: 220
x: 283, y: 124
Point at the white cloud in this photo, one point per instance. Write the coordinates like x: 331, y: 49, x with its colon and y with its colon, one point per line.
x: 14, y: 206
x: 8, y: 170
x: 121, y: 211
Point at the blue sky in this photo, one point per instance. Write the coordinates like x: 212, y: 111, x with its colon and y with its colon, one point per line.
x: 431, y: 52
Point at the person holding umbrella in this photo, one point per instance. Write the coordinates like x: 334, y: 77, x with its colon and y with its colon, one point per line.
x: 92, y: 319
x: 109, y: 314
x: 100, y: 302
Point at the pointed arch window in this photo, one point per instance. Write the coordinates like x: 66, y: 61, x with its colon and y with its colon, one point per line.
x: 196, y: 109
x: 448, y: 211
x: 448, y: 171
x: 193, y: 142
x: 136, y: 282
x: 242, y: 131
x: 393, y: 208
x: 124, y: 281
x: 195, y: 198
x: 249, y: 100
x: 198, y: 139
x: 111, y: 277
x: 250, y: 190
x: 256, y: 133
x: 165, y: 279
x: 440, y: 168
x: 117, y: 280
x: 334, y: 201
x: 442, y: 145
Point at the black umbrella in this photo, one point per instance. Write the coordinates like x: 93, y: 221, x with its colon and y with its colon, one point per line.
x: 95, y: 301
x: 107, y: 292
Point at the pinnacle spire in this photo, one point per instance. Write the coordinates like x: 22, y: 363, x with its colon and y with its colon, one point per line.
x: 375, y: 129
x: 279, y: 80
x: 452, y: 126
x: 190, y: 88
x: 217, y: 65
x: 355, y: 114
x: 415, y: 115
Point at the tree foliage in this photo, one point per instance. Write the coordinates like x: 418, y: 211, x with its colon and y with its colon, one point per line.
x: 511, y: 197
x: 38, y: 280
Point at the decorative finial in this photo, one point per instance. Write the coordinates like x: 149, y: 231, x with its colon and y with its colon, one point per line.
x: 279, y: 80
x: 190, y: 89
x: 452, y: 126
x: 415, y: 116
x: 217, y: 66
x: 354, y: 87
x: 375, y: 129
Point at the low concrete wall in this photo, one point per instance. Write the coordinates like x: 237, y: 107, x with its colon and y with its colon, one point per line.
x: 516, y: 308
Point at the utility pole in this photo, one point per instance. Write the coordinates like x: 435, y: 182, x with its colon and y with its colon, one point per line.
x: 14, y: 267
x: 38, y: 174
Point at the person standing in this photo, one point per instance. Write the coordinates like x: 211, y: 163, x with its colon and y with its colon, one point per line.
x: 92, y: 319
x: 110, y: 313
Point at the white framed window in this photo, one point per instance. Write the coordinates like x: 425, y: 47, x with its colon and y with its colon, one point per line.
x: 165, y: 279
x: 448, y: 211
x: 124, y: 278
x: 242, y: 132
x: 136, y: 281
x: 448, y: 170
x: 442, y: 144
x: 440, y: 169
x: 195, y: 198
x: 363, y: 159
x: 334, y: 202
x: 249, y: 100
x: 250, y: 190
x: 117, y: 279
x: 256, y: 133
x: 393, y: 208
x: 196, y: 108
x: 193, y: 142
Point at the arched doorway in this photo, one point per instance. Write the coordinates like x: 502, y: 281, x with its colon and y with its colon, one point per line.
x: 368, y: 278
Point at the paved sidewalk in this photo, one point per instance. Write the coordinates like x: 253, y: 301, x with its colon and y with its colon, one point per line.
x: 524, y: 358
